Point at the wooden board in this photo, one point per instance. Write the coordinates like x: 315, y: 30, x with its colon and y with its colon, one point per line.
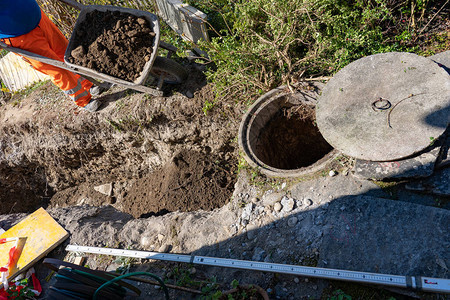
x: 39, y: 234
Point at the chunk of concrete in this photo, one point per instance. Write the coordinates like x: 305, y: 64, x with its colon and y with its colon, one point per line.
x: 438, y: 184
x: 416, y: 167
x: 105, y: 189
x: 444, y: 156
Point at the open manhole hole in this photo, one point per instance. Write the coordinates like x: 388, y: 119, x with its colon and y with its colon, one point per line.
x: 279, y: 135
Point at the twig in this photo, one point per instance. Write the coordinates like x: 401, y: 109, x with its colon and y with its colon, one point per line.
x: 317, y: 78
x: 389, y: 114
x: 433, y: 17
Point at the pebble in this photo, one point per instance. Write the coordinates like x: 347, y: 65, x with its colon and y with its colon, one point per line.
x: 161, y: 237
x: 288, y: 204
x: 292, y: 221
x: 105, y: 189
x: 163, y: 248
x: 254, y: 200
x: 251, y: 231
x: 233, y: 229
x: 296, y: 280
x: 277, y: 207
x: 247, y: 211
x: 269, y: 290
x: 306, y: 280
x: 332, y: 173
x: 283, y: 185
x: 308, y: 202
x: 189, y: 94
x: 258, y: 254
x: 146, y: 242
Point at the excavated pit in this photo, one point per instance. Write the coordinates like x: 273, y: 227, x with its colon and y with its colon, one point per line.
x: 159, y: 156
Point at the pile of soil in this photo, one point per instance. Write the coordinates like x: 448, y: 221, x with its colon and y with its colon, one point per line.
x: 113, y: 43
x: 291, y: 140
x: 191, y: 181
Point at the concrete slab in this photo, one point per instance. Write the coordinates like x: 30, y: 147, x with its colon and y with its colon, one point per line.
x: 444, y: 156
x: 414, y: 110
x: 370, y: 234
x: 438, y: 184
x: 416, y: 167
x: 443, y: 59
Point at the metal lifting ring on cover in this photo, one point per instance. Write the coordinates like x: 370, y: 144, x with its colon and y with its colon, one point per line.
x: 381, y: 104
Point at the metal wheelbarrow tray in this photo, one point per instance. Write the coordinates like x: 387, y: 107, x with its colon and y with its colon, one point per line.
x: 154, y: 25
x: 163, y: 67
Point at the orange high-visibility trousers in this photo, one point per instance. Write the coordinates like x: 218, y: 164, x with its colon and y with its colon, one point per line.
x: 47, y: 40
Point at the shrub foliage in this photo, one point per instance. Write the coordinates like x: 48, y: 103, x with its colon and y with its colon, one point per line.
x: 260, y: 44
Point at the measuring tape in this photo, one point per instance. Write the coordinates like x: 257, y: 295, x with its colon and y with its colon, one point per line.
x: 427, y: 284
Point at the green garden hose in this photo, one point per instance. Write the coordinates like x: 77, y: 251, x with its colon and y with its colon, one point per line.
x: 166, y: 291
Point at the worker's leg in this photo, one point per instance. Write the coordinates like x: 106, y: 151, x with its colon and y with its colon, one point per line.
x: 36, y: 41
x: 57, y: 41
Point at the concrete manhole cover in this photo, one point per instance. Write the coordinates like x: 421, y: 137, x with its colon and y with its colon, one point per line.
x: 385, y: 107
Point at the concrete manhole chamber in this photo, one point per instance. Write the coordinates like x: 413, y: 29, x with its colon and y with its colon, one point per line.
x: 279, y: 135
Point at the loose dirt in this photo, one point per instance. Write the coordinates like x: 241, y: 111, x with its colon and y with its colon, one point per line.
x: 113, y: 43
x: 191, y: 181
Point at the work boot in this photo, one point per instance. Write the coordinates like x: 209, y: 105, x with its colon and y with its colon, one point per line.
x: 93, y: 105
x: 96, y: 90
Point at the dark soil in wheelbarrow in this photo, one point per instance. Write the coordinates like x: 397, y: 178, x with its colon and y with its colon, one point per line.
x: 113, y: 43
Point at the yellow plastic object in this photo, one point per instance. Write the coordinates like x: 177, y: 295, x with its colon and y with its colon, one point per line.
x: 39, y: 234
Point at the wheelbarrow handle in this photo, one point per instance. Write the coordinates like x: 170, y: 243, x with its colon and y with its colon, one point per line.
x: 74, y: 4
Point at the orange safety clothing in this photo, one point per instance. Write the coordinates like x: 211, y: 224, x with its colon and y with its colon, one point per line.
x: 47, y: 40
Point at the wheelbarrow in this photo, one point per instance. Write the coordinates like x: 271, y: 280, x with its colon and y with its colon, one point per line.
x: 164, y: 69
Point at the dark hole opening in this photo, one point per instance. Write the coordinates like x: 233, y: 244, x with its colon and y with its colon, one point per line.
x: 291, y: 140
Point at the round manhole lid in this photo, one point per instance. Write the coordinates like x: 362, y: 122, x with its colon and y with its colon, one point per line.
x: 385, y: 107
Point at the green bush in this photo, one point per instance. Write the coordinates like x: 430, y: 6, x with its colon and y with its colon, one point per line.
x: 260, y: 44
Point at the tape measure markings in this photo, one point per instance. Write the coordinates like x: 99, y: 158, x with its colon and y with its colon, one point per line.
x: 415, y: 282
